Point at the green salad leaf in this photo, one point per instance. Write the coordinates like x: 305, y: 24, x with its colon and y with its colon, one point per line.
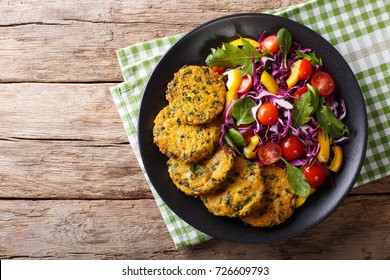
x: 328, y: 122
x: 309, y: 104
x: 310, y: 56
x: 228, y: 140
x: 285, y: 40
x: 230, y: 56
x: 242, y: 111
x: 237, y: 137
x: 297, y: 180
x: 305, y: 106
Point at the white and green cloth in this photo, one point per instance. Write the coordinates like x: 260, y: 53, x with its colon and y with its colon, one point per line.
x: 359, y: 30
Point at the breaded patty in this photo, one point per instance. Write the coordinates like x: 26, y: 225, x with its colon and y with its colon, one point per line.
x: 240, y: 193
x: 199, y: 178
x: 198, y: 93
x: 187, y: 143
x: 279, y: 200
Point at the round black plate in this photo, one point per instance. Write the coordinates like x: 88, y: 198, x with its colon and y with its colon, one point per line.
x: 193, y: 49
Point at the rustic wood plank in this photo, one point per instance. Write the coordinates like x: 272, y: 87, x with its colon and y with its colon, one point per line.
x: 123, y: 11
x: 60, y: 111
x: 75, y: 228
x: 78, y: 146
x: 381, y: 185
x: 85, y: 170
x: 70, y: 186
x: 79, y: 52
x: 76, y: 41
x: 65, y: 141
x: 70, y: 170
x: 52, y: 229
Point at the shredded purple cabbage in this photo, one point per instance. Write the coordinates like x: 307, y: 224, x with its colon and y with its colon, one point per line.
x: 284, y: 102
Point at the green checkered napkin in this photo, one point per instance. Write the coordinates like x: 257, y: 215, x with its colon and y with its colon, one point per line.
x: 359, y: 30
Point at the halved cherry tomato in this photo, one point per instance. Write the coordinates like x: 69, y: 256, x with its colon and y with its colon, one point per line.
x: 305, y: 69
x: 292, y: 147
x: 270, y: 43
x: 267, y: 114
x: 246, y: 84
x: 301, y: 91
x: 219, y: 70
x: 315, y: 174
x: 323, y: 82
x: 269, y: 153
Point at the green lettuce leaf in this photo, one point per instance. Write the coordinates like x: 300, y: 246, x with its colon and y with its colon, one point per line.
x: 230, y: 56
x: 310, y: 56
x: 242, y: 111
x: 297, y: 180
x: 328, y: 122
x: 305, y: 106
x: 237, y: 137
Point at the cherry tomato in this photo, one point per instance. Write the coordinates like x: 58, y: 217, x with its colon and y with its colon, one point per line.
x: 292, y: 147
x: 323, y: 82
x: 270, y: 43
x: 269, y: 153
x: 246, y: 84
x: 219, y: 70
x: 301, y: 91
x: 315, y: 174
x: 305, y: 69
x: 267, y: 114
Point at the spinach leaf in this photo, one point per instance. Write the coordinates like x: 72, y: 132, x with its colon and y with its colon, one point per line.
x: 305, y: 106
x: 328, y: 122
x: 242, y: 111
x: 230, y: 56
x: 230, y: 142
x: 237, y: 137
x: 297, y: 180
x: 285, y: 40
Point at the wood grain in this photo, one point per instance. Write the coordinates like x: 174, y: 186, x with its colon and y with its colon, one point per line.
x: 76, y: 42
x: 85, y: 170
x: 110, y: 229
x: 70, y: 184
x: 70, y: 170
x: 80, y: 112
x: 67, y: 141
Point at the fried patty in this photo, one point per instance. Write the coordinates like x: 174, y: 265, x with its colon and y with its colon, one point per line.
x: 187, y: 143
x: 279, y: 200
x: 198, y: 93
x: 199, y: 178
x: 240, y: 193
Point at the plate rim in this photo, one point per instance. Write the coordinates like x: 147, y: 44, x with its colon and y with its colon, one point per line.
x: 324, y: 215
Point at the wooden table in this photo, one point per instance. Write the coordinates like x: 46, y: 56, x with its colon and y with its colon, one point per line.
x: 70, y: 185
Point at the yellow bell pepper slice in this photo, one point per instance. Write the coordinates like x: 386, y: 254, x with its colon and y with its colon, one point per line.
x: 250, y: 149
x: 238, y: 42
x: 324, y: 152
x: 301, y: 200
x: 293, y: 79
x: 337, y: 160
x: 269, y: 82
x: 233, y: 83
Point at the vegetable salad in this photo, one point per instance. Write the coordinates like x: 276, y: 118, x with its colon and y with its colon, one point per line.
x: 281, y: 108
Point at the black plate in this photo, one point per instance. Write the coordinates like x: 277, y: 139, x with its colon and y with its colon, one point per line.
x: 193, y: 49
